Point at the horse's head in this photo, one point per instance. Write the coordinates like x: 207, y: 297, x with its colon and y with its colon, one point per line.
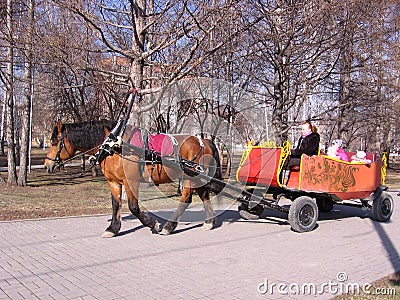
x: 60, y: 148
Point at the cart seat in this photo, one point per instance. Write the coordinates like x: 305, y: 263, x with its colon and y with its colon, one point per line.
x: 295, y: 169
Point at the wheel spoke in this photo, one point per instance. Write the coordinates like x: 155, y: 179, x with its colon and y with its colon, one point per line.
x: 306, y: 215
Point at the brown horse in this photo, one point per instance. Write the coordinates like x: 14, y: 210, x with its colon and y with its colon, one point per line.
x: 128, y: 165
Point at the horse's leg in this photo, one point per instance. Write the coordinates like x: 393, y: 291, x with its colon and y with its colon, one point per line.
x: 132, y: 191
x: 210, y: 215
x: 115, y: 225
x: 83, y: 163
x: 94, y: 171
x: 185, y: 201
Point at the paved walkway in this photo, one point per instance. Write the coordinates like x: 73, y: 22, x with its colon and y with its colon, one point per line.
x: 67, y: 259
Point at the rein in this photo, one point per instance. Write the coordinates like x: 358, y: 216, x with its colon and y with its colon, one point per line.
x: 77, y: 155
x: 57, y: 159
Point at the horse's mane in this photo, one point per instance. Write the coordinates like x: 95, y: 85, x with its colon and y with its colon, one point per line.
x: 85, y: 134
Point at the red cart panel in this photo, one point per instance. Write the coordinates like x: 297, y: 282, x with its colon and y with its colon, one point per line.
x: 346, y: 180
x: 261, y: 165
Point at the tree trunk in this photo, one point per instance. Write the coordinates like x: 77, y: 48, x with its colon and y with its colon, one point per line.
x: 25, y: 135
x: 2, y: 126
x: 26, y: 113
x: 344, y: 93
x: 279, y: 117
x: 138, y: 44
x: 12, y: 172
x: 281, y: 78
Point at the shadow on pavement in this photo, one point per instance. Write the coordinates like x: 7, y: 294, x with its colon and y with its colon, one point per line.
x: 338, y: 213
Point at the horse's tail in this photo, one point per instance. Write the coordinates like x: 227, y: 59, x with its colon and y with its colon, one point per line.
x: 215, y: 169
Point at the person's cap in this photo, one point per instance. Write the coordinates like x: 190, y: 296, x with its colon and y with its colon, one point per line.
x: 338, y: 143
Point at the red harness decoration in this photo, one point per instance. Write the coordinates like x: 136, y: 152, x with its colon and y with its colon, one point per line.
x: 160, y: 143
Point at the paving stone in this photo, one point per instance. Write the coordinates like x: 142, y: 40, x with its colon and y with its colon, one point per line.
x: 66, y: 258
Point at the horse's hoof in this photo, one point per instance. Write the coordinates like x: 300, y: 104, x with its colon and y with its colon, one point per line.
x: 165, y: 232
x: 108, y: 234
x: 156, y: 228
x: 208, y: 226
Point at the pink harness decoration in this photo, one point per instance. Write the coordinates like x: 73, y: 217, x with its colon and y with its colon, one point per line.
x: 161, y: 143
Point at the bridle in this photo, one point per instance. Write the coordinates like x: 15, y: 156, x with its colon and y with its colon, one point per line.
x: 57, y: 159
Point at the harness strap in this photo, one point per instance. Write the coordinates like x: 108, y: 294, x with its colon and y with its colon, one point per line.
x: 200, y: 149
x: 145, y: 138
x: 176, y: 147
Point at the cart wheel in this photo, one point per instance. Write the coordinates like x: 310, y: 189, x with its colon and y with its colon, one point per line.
x: 250, y: 214
x: 325, y: 205
x: 382, y: 208
x: 303, y: 214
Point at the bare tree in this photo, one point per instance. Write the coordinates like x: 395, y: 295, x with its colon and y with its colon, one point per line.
x: 332, y: 61
x: 12, y: 173
x: 65, y: 66
x: 294, y: 49
x: 164, y: 41
x: 364, y: 86
x: 28, y: 93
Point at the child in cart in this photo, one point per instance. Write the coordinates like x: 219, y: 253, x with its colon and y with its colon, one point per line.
x: 336, y: 151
